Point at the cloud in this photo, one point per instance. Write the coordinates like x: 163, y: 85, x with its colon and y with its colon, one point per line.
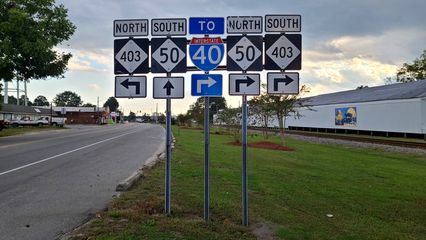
x: 77, y: 64
x: 94, y: 86
x: 97, y: 60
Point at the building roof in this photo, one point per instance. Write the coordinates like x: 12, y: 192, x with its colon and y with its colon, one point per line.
x: 15, y: 109
x: 381, y: 93
x: 77, y: 109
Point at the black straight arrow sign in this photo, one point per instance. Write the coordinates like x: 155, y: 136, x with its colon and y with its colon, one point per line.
x: 126, y: 84
x: 287, y: 80
x: 249, y: 81
x: 168, y: 88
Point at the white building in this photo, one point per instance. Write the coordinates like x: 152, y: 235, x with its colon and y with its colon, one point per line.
x: 384, y: 110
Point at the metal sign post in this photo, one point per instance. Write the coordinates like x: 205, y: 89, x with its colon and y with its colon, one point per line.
x: 206, y: 159
x: 206, y: 54
x: 245, y: 178
x: 168, y: 55
x: 168, y: 180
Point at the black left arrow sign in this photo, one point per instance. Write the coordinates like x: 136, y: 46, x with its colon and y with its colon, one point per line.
x: 168, y: 88
x: 126, y: 84
x: 287, y: 80
x: 249, y: 81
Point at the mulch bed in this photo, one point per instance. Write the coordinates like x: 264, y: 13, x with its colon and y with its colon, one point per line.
x: 264, y: 145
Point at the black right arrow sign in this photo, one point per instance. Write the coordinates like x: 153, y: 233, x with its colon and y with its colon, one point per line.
x: 287, y: 80
x: 283, y: 83
x: 244, y: 84
x: 249, y: 81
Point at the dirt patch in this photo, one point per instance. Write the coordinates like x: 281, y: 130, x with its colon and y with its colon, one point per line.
x: 262, y: 231
x: 265, y: 145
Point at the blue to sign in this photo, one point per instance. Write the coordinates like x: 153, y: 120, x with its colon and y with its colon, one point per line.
x: 213, y: 25
x: 206, y: 85
x: 206, y: 53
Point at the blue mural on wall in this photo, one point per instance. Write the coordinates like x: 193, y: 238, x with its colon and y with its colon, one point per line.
x: 346, y: 116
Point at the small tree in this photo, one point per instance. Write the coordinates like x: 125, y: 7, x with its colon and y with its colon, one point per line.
x: 22, y: 100
x: 284, y: 106
x: 260, y: 111
x: 12, y: 100
x: 183, y: 120
x: 196, y: 111
x: 41, y: 101
x: 67, y: 99
x: 216, y: 104
x: 414, y: 71
x: 132, y: 117
x: 88, y: 105
x: 231, y: 118
x: 112, y: 103
x: 161, y: 118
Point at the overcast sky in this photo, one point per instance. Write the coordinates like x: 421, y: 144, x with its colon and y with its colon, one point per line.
x: 345, y: 43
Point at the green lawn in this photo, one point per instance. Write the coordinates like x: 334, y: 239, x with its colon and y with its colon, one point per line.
x: 369, y: 193
x: 21, y: 130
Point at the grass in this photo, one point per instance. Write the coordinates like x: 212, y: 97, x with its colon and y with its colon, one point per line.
x: 22, y: 130
x: 370, y: 194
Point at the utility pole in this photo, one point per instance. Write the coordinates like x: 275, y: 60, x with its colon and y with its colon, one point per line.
x: 17, y: 89
x: 25, y: 92
x: 6, y: 92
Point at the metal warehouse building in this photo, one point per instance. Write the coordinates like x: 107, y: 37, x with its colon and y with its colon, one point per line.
x: 396, y: 109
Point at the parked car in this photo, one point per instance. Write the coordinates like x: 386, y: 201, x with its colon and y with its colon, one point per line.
x: 42, y: 121
x: 57, y: 121
x: 26, y: 121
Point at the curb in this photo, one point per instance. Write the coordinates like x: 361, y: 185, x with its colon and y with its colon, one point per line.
x: 138, y: 174
x: 159, y: 155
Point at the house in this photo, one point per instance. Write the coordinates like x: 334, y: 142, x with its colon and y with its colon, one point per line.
x: 82, y: 115
x: 11, y: 112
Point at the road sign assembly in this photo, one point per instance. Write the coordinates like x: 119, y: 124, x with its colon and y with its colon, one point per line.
x: 130, y: 86
x: 283, y: 23
x: 130, y: 28
x: 206, y: 85
x: 168, y: 27
x: 206, y: 53
x: 131, y: 56
x: 283, y: 52
x: 168, y: 87
x: 283, y: 83
x: 206, y: 26
x: 244, y: 53
x: 168, y: 55
x: 244, y: 24
x: 244, y: 84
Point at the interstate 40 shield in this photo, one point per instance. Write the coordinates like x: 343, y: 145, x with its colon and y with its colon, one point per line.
x: 206, y: 53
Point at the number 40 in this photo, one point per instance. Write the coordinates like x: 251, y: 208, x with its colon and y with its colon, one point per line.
x: 200, y: 54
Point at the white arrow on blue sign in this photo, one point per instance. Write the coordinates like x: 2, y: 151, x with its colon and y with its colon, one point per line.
x: 205, y: 26
x: 206, y: 53
x: 206, y: 85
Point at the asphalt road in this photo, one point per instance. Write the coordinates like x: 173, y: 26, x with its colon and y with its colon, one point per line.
x: 51, y: 182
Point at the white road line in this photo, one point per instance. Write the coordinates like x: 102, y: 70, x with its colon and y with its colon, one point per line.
x: 65, y: 153
x: 91, y: 131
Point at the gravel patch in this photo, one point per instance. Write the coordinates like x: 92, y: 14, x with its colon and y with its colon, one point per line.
x: 356, y: 144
